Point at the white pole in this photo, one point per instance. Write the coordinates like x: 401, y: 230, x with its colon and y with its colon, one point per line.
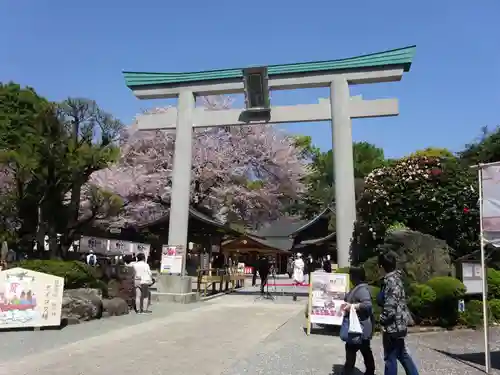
x: 486, y: 328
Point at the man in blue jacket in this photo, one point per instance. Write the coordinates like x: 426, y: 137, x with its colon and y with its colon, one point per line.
x: 394, y: 317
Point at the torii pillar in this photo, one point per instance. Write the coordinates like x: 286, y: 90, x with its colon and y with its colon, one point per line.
x: 340, y: 109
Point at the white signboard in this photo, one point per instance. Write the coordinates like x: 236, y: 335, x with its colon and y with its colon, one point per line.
x: 491, y: 203
x: 328, y: 291
x: 171, y: 259
x: 119, y: 246
x: 30, y: 299
x: 96, y: 244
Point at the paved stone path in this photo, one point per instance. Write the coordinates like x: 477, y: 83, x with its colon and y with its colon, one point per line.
x: 231, y: 335
x: 205, y: 340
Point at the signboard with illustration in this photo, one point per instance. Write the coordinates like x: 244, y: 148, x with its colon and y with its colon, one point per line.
x: 171, y: 259
x: 30, y: 299
x: 326, y: 298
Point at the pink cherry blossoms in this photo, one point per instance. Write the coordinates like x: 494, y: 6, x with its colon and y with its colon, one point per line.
x: 246, y: 172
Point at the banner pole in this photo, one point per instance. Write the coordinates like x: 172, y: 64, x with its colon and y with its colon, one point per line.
x: 487, y: 357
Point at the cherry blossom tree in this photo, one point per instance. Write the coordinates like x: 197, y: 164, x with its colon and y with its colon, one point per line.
x: 246, y: 173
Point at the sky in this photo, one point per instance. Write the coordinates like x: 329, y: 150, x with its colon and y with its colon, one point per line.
x: 79, y: 49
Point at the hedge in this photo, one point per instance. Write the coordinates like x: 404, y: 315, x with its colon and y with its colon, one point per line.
x: 76, y: 274
x: 436, y: 301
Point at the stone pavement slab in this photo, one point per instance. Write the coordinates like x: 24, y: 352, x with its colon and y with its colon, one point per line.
x: 205, y: 340
x: 15, y: 344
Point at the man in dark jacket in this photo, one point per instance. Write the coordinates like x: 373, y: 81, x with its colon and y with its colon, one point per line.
x: 394, y: 317
x: 264, y: 267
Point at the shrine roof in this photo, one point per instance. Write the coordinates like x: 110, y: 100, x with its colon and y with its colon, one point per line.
x: 401, y: 57
x: 316, y: 241
x: 197, y: 215
x: 283, y: 244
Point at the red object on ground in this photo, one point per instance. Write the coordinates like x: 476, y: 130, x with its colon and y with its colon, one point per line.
x: 466, y: 210
x: 273, y: 284
x: 8, y: 307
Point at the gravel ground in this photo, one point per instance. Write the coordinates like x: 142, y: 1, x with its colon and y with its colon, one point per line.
x: 230, y: 335
x: 289, y: 351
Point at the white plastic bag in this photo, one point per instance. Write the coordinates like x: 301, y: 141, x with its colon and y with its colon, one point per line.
x: 354, y: 324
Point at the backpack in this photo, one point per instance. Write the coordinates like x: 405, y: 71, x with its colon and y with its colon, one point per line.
x: 92, y: 260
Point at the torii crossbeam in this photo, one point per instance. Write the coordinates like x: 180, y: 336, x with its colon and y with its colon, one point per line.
x: 339, y: 109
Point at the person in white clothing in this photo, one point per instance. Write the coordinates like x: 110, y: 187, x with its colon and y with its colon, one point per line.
x: 298, y: 270
x: 143, y: 279
x: 91, y: 259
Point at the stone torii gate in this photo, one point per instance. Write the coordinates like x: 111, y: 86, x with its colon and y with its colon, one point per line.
x: 256, y: 82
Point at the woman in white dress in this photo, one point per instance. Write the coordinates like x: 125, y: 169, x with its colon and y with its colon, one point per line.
x: 298, y: 270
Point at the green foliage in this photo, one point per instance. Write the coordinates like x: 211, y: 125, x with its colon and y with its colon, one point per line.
x: 448, y: 291
x: 372, y: 270
x: 374, y: 290
x: 494, y: 306
x: 425, y: 194
x: 433, y: 152
x: 421, y: 297
x: 396, y: 226
x: 320, y: 182
x: 49, y: 150
x: 485, y: 149
x: 493, y: 283
x: 472, y: 317
x: 447, y: 287
x: 75, y: 274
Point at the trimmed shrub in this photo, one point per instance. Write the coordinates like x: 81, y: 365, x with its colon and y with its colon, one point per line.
x: 372, y: 270
x: 493, y: 283
x: 447, y: 287
x: 472, y: 317
x: 448, y: 291
x: 494, y: 306
x: 76, y: 274
x: 421, y: 298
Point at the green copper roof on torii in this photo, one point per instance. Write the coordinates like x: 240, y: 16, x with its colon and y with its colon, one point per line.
x: 396, y: 57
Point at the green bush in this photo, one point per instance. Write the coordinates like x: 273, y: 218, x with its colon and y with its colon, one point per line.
x: 376, y: 308
x: 447, y: 287
x: 372, y: 270
x: 75, y: 274
x: 421, y: 298
x: 494, y: 306
x: 448, y: 291
x: 493, y: 283
x: 472, y: 317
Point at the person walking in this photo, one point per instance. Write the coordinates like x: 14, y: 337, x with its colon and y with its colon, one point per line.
x: 394, y: 317
x: 143, y: 279
x: 298, y: 270
x: 327, y: 264
x: 359, y: 299
x: 264, y: 268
